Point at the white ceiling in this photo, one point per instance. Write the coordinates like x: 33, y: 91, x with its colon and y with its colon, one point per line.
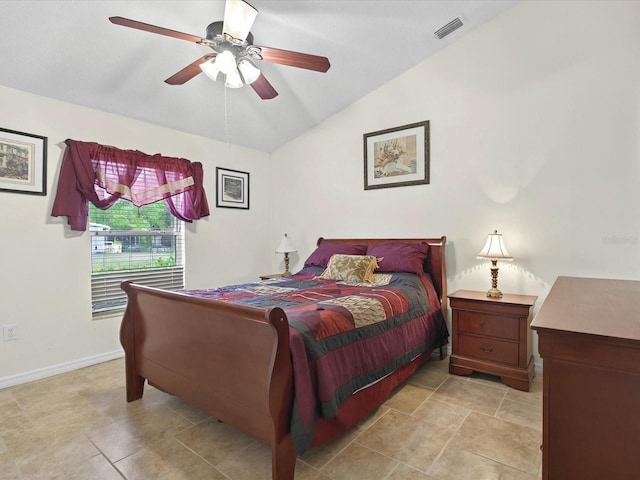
x: 68, y: 50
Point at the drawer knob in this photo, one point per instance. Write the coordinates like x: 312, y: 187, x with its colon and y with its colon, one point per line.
x: 482, y: 323
x: 486, y: 349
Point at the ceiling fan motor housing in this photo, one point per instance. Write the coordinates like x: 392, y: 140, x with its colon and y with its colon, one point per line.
x: 214, y: 33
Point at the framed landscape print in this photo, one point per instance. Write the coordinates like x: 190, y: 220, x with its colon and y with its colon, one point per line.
x: 23, y: 162
x: 397, y: 156
x: 232, y: 189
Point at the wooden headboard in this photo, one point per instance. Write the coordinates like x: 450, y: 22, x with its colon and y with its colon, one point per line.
x: 435, y: 264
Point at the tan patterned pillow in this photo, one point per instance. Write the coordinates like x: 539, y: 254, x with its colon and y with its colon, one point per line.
x: 351, y: 268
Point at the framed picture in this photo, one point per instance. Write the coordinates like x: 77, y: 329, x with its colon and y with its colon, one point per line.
x: 232, y: 189
x: 23, y: 162
x: 397, y: 156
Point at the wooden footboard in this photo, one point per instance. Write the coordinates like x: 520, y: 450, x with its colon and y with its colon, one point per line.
x: 241, y: 374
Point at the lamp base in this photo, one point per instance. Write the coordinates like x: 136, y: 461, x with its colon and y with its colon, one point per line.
x: 494, y: 293
x: 286, y: 272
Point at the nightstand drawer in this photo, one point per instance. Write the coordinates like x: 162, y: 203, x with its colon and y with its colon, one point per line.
x: 492, y: 325
x: 488, y: 349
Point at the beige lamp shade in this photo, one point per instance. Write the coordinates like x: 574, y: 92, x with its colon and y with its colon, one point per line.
x: 285, y: 245
x: 494, y: 248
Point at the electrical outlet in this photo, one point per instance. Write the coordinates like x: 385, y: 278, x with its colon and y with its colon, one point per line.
x: 10, y: 332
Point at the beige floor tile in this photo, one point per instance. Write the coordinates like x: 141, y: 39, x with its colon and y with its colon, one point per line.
x: 214, y: 441
x: 441, y: 413
x: 408, y: 397
x: 521, y: 413
x: 166, y: 458
x: 509, y: 473
x: 95, y: 467
x: 514, y: 445
x: 432, y: 373
x: 67, y: 427
x: 127, y: 436
x: 408, y: 439
x: 456, y: 464
x: 254, y: 462
x: 472, y: 395
x: 8, y: 469
x: 318, y: 457
x: 188, y: 411
x: 359, y: 463
x: 403, y: 472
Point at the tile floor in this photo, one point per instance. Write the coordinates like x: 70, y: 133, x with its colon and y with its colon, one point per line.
x: 78, y: 426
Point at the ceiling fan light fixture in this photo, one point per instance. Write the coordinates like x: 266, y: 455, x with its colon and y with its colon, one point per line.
x: 233, y: 80
x: 250, y: 73
x: 210, y: 69
x: 226, y: 62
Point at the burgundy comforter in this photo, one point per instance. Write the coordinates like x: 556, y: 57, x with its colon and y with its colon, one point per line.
x: 344, y: 337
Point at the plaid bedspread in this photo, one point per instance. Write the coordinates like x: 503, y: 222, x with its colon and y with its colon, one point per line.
x: 343, y: 337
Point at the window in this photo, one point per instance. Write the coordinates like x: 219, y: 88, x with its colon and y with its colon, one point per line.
x: 142, y: 244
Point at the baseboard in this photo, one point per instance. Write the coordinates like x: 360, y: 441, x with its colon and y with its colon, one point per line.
x: 57, y: 369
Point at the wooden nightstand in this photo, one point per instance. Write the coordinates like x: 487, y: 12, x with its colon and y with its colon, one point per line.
x: 271, y: 275
x: 492, y: 335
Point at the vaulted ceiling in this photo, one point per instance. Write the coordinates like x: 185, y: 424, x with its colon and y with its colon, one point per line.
x: 68, y: 50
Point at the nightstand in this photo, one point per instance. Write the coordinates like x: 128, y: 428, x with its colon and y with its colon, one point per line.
x: 492, y: 335
x: 271, y: 275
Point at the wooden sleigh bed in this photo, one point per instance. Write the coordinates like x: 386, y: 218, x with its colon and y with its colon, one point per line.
x: 235, y: 361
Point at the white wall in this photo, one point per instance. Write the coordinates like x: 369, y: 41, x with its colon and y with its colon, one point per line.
x: 45, y: 288
x: 534, y: 132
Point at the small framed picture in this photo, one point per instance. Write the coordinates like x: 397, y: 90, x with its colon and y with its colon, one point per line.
x: 23, y: 162
x: 232, y: 189
x: 397, y: 157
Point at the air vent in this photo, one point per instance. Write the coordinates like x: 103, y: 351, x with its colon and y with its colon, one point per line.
x: 450, y: 27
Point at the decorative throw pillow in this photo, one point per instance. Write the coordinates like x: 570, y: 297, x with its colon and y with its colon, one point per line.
x: 400, y: 257
x: 321, y: 255
x: 351, y: 268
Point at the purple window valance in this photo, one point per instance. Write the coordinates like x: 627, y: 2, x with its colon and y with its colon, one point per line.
x: 102, y: 174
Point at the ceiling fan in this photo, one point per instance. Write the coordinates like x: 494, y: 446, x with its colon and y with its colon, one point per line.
x: 233, y: 51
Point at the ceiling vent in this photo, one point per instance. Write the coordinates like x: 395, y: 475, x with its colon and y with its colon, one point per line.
x: 450, y: 27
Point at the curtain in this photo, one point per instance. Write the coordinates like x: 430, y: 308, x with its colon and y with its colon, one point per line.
x: 101, y: 174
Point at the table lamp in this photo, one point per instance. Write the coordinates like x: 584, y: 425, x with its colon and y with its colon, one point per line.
x: 494, y: 250
x: 286, y: 247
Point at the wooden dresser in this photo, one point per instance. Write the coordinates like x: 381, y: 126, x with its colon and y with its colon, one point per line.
x: 589, y: 339
x: 492, y: 335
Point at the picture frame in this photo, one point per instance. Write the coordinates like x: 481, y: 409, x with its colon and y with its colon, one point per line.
x: 397, y: 157
x: 23, y: 162
x: 232, y: 188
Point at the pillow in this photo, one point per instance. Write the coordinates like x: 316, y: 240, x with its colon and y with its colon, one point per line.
x: 321, y: 255
x: 400, y: 257
x: 351, y: 268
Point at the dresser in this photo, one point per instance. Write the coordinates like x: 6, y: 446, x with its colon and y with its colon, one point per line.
x: 492, y: 335
x: 589, y: 339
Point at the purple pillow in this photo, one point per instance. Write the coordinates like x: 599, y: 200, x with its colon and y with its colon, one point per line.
x: 400, y: 257
x: 321, y: 255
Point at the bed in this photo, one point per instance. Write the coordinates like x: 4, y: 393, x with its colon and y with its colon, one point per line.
x: 292, y: 362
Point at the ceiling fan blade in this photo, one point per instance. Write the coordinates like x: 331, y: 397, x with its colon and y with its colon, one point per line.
x: 188, y: 72
x: 263, y: 88
x: 294, y: 59
x: 125, y: 22
x: 238, y: 19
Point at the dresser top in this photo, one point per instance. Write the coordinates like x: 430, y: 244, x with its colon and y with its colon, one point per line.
x: 595, y: 306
